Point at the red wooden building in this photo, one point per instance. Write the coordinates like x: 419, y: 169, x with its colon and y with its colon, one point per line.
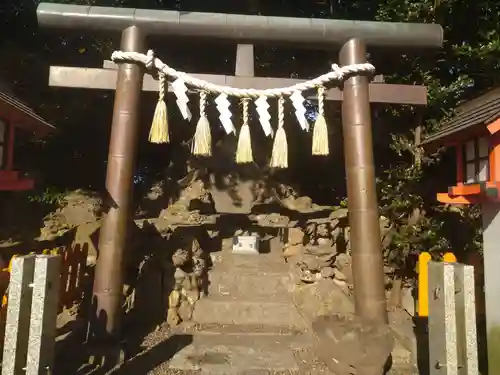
x: 474, y: 133
x: 14, y: 118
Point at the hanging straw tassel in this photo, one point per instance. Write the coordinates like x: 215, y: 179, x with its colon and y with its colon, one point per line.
x: 202, y: 144
x: 279, y: 157
x: 244, y: 153
x: 159, y: 127
x: 320, y: 132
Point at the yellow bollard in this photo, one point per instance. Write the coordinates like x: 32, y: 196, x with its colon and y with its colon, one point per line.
x: 423, y: 284
x: 10, y: 262
x: 449, y: 258
x: 8, y: 269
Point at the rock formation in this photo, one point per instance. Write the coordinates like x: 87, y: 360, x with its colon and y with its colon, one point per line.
x: 181, y: 225
x: 190, y: 275
x: 321, y: 250
x: 77, y: 208
x: 312, y: 252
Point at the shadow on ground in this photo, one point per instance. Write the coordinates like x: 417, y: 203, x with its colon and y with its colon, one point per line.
x: 150, y: 277
x: 422, y: 335
x: 155, y: 356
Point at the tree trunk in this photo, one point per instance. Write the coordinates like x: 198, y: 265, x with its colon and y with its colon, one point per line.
x: 396, y: 296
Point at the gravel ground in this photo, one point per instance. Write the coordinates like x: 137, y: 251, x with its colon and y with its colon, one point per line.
x: 158, y: 347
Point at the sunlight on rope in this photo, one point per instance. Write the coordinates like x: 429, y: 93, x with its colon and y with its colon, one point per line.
x: 202, y: 142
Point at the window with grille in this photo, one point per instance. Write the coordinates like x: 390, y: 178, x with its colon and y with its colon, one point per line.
x: 476, y: 160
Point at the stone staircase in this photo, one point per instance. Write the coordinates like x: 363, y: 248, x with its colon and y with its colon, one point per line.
x: 248, y: 289
x: 248, y: 323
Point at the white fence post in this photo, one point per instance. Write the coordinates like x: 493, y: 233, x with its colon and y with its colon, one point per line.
x: 33, y: 302
x: 465, y: 304
x: 452, y: 320
x: 17, y: 322
x: 42, y: 334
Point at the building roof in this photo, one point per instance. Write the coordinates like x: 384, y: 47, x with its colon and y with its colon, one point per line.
x: 32, y: 121
x: 475, y: 113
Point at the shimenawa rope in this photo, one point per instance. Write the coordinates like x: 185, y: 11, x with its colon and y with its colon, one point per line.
x: 202, y: 138
x: 150, y: 62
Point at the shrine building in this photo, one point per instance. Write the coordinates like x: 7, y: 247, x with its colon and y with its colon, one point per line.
x: 16, y: 117
x: 474, y: 133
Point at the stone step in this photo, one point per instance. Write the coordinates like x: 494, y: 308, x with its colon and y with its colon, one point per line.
x: 206, y: 338
x: 223, y: 310
x: 250, y: 286
x: 240, y: 329
x: 235, y: 355
x: 256, y: 263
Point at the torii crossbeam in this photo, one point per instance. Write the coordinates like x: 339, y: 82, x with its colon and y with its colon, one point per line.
x: 105, y: 79
x: 356, y: 94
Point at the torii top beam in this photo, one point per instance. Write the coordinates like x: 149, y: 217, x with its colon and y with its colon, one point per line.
x: 306, y: 32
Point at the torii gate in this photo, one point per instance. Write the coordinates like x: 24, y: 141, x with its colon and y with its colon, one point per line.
x: 356, y: 95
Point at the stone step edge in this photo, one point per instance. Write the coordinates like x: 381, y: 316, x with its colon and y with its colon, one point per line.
x: 263, y: 341
x: 229, y: 256
x: 268, y: 269
x: 292, y: 316
x: 277, y: 264
x: 226, y: 278
x: 222, y: 298
x: 174, y: 371
x: 215, y: 298
x: 226, y: 270
x: 241, y: 329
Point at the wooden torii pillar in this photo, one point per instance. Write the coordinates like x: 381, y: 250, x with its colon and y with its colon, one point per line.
x: 127, y: 81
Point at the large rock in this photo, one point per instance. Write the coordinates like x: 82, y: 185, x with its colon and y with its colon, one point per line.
x: 343, y: 263
x: 315, y: 263
x: 323, y: 297
x: 291, y: 251
x: 233, y: 197
x: 406, y: 342
x: 295, y: 236
x: 193, y: 198
x: 80, y: 207
x: 350, y: 345
x: 76, y: 208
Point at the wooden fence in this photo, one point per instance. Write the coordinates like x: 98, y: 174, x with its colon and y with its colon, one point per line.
x: 72, y: 282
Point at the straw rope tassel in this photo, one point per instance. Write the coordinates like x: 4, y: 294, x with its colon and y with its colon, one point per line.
x: 320, y: 131
x: 279, y: 157
x: 244, y: 153
x: 159, y: 127
x: 202, y: 144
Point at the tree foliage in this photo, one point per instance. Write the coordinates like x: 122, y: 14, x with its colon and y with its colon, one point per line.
x: 466, y: 66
